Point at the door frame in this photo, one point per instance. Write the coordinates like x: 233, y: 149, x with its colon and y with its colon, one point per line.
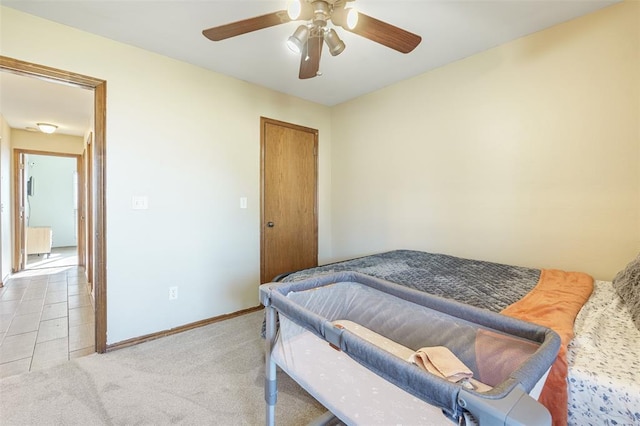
x: 99, y: 88
x: 19, y: 261
x: 89, y: 212
x: 263, y: 122
x: 19, y: 221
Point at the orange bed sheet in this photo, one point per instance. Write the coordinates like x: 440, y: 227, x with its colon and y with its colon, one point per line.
x: 555, y: 302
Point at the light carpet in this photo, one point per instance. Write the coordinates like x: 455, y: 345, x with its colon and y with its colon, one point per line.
x: 212, y: 375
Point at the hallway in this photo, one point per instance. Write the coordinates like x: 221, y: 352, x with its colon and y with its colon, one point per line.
x: 59, y: 256
x: 46, y: 317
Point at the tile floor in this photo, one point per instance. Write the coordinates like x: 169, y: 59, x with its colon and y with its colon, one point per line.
x: 59, y: 256
x: 46, y: 317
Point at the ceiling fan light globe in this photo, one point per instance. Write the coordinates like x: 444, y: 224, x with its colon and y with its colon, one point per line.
x: 346, y: 17
x: 352, y: 18
x: 298, y: 39
x: 293, y: 10
x: 338, y: 49
x: 299, y: 10
x: 292, y: 44
x: 334, y: 43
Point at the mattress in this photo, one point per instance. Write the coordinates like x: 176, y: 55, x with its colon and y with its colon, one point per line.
x: 604, y: 363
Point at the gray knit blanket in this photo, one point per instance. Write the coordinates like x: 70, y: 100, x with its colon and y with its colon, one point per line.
x: 486, y: 285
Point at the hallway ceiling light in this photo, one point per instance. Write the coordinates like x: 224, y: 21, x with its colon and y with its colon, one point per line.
x: 47, y: 128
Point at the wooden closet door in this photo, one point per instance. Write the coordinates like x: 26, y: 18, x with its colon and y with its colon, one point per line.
x: 289, y: 198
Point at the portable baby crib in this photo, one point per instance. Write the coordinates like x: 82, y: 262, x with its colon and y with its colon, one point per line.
x: 373, y: 352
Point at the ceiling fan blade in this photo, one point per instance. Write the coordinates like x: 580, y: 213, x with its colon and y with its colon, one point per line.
x: 386, y: 34
x: 246, y: 25
x: 310, y: 58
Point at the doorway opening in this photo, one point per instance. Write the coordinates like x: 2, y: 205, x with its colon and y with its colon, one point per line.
x: 52, y: 210
x: 95, y: 256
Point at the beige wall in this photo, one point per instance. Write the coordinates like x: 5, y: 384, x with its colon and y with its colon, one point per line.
x: 188, y: 139
x: 37, y: 141
x: 524, y: 154
x: 6, y: 254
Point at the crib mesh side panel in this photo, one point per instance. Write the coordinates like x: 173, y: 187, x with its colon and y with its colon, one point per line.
x: 492, y: 356
x: 496, y: 359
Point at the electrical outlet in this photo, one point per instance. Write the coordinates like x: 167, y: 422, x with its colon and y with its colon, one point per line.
x: 173, y: 293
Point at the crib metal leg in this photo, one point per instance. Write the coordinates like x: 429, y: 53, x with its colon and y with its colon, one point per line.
x: 270, y: 385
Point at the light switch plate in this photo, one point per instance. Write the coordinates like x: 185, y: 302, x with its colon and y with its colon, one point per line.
x: 243, y: 202
x: 139, y: 202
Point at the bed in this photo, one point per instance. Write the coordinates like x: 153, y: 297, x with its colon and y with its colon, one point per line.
x: 598, y: 369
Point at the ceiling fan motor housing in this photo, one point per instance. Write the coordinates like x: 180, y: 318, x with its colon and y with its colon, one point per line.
x: 321, y: 13
x: 318, y: 11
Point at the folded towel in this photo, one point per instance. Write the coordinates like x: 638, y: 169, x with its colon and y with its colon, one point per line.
x: 440, y: 361
x: 375, y: 338
x: 409, y: 355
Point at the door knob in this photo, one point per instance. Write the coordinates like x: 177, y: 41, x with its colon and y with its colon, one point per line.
x: 270, y: 224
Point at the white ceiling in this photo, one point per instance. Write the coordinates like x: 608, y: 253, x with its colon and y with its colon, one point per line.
x: 26, y: 101
x: 450, y: 30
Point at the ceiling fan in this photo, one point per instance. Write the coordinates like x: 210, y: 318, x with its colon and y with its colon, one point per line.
x: 308, y: 38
